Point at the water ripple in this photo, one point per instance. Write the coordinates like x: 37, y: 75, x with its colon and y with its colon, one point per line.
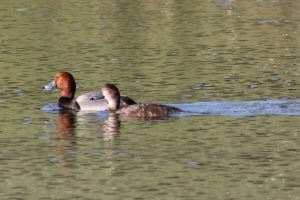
x: 242, y: 108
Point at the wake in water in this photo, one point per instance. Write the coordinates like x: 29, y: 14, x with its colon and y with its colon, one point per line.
x: 230, y: 108
x: 242, y: 108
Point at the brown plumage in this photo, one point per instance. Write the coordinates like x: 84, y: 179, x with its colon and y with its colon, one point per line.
x: 112, y: 95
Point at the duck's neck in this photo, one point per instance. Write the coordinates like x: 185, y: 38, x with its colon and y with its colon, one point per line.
x: 114, y: 103
x: 69, y: 92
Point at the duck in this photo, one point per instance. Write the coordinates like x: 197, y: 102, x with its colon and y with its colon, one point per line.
x: 112, y: 96
x: 91, y: 101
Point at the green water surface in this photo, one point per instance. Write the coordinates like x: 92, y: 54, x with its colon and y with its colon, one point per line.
x: 160, y: 52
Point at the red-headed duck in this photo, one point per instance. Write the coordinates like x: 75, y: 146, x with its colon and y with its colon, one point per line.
x: 112, y: 95
x: 88, y: 101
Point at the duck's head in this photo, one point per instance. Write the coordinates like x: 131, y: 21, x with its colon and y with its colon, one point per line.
x: 65, y: 82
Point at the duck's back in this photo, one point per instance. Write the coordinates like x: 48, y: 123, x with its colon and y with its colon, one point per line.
x: 147, y: 110
x: 91, y: 101
x: 96, y: 101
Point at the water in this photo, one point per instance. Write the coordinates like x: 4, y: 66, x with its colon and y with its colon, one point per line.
x: 233, y: 65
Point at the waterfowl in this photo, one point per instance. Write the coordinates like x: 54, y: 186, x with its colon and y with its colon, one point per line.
x: 87, y: 101
x: 112, y: 96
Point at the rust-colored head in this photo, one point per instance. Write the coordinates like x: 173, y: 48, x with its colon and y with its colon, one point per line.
x: 65, y: 81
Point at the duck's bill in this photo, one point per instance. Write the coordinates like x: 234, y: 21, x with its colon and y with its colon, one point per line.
x: 50, y: 86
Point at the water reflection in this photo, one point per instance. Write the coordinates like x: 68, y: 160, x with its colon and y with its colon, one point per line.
x: 65, y: 137
x: 112, y: 124
x: 66, y: 123
x: 111, y: 127
x: 66, y: 126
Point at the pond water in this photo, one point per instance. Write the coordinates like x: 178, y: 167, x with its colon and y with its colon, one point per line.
x: 234, y: 66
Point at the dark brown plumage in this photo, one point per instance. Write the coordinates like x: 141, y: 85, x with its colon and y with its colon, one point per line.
x: 112, y: 95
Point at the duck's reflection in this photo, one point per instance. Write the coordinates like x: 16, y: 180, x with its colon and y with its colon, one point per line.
x: 111, y: 127
x: 66, y: 128
x: 65, y: 133
x: 66, y: 123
